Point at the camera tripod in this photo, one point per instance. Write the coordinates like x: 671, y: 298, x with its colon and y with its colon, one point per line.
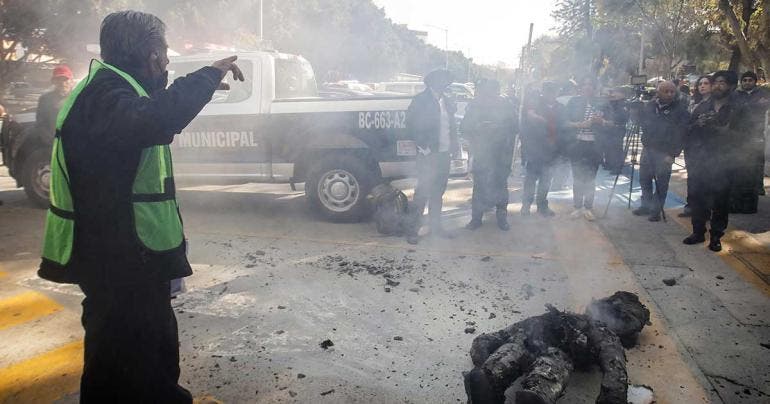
x: 632, y: 148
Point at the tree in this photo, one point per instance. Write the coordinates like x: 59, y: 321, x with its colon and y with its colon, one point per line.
x: 750, y: 32
x: 40, y: 27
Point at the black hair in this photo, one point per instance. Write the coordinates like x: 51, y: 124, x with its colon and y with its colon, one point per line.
x: 128, y: 37
x: 438, y: 77
x: 730, y: 76
x: 749, y: 74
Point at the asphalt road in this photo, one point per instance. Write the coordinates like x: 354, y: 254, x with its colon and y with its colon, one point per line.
x: 272, y: 283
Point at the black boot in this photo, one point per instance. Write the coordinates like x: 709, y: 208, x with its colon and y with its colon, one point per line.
x: 641, y: 211
x: 694, y: 238
x: 686, y: 212
x: 475, y: 222
x: 654, y: 216
x: 715, y: 244
x: 502, y: 219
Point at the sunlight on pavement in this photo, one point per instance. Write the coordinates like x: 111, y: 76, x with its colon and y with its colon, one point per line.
x: 43, y: 378
x: 25, y: 307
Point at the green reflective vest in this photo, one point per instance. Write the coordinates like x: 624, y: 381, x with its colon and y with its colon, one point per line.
x: 155, y: 210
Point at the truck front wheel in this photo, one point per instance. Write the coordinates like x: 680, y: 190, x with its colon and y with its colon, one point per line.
x: 337, y: 187
x: 36, y: 177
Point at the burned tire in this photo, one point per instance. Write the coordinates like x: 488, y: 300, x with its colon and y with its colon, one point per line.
x: 337, y: 187
x: 36, y: 177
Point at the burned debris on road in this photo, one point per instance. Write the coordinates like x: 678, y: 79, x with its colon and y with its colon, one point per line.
x: 545, y: 349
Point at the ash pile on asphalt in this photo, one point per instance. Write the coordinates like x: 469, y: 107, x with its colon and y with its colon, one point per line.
x: 390, y: 268
x: 545, y: 349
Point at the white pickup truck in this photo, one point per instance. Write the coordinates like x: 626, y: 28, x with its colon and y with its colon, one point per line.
x: 271, y: 128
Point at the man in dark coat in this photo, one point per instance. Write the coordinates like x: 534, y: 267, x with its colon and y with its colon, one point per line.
x: 610, y: 137
x: 542, y: 123
x: 757, y: 101
x: 664, y: 122
x: 490, y: 126
x: 431, y: 124
x: 131, y: 338
x: 714, y: 142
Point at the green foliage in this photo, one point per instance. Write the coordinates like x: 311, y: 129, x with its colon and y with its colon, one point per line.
x: 41, y: 27
x: 603, y: 37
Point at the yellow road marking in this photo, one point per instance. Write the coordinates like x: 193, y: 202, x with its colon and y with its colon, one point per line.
x: 43, y: 378
x: 25, y: 307
x: 742, y: 253
x: 207, y: 399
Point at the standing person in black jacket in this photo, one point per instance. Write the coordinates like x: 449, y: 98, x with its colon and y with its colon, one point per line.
x: 717, y: 131
x: 543, y: 123
x: 114, y: 226
x: 611, y: 136
x: 490, y: 126
x: 664, y: 122
x: 430, y: 122
x: 757, y: 101
x: 585, y: 118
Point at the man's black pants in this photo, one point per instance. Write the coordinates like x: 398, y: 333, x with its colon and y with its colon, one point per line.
x: 432, y: 177
x: 611, y: 145
x: 537, y: 183
x: 131, y: 345
x: 653, y: 166
x: 585, y: 165
x: 709, y: 194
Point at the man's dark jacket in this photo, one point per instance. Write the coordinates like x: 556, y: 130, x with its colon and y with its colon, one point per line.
x: 103, y: 137
x: 664, y: 126
x: 45, y: 117
x: 755, y: 109
x: 423, y: 121
x: 490, y: 124
x: 541, y: 139
x: 718, y: 145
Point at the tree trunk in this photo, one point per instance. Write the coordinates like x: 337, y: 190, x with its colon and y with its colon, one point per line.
x: 735, y: 59
x: 735, y: 25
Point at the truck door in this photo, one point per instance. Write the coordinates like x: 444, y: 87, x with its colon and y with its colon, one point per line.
x: 225, y: 140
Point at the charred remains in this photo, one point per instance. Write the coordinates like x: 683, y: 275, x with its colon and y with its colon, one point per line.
x: 545, y: 349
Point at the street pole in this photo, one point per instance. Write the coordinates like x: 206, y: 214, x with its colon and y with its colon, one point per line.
x: 446, y: 49
x: 446, y: 44
x: 261, y: 31
x: 641, y: 52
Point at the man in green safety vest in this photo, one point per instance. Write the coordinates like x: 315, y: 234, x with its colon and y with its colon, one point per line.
x: 113, y: 226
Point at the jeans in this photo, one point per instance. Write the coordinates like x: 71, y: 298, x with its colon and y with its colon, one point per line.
x: 653, y: 166
x: 537, y: 182
x: 432, y: 177
x: 585, y: 165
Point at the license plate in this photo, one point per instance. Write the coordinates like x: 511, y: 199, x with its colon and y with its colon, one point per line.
x: 406, y: 148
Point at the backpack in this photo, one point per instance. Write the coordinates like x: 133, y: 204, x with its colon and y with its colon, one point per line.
x: 390, y: 209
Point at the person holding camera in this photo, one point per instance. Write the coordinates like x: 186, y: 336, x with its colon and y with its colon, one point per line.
x: 717, y: 131
x: 664, y: 123
x: 585, y: 117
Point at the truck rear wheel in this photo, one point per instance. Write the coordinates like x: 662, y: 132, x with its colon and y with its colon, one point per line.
x: 337, y: 188
x: 36, y: 177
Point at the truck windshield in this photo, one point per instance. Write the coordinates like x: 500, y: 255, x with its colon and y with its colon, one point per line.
x: 294, y: 78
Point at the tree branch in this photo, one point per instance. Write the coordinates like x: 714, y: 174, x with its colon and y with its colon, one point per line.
x: 735, y: 26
